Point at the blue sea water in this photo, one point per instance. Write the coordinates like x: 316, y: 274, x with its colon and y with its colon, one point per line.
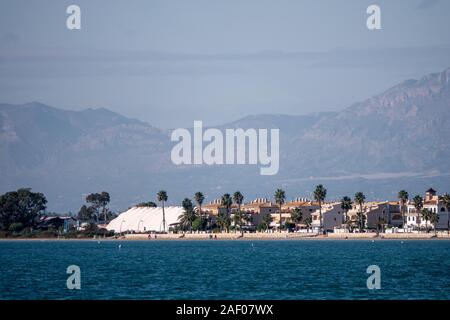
x: 282, y: 269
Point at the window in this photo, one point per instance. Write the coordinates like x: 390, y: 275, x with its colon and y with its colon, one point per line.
x: 442, y: 209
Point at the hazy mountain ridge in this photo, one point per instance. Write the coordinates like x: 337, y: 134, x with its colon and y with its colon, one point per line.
x: 402, y: 131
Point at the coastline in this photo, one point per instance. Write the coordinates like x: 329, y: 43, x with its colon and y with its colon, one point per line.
x: 251, y: 236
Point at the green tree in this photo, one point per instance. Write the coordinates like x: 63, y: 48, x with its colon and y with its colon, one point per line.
x: 403, y: 199
x: 308, y: 222
x: 434, y: 219
x: 267, y: 220
x: 426, y: 215
x: 199, y: 198
x: 188, y: 216
x: 161, y: 196
x: 197, y: 224
x: 99, y: 202
x: 359, y: 200
x: 446, y: 201
x: 86, y: 213
x: 226, y: 201
x: 280, y: 197
x: 21, y: 206
x: 148, y: 204
x: 296, y: 216
x: 346, y: 206
x: 238, y: 198
x: 223, y: 221
x: 418, y: 205
x: 320, y: 193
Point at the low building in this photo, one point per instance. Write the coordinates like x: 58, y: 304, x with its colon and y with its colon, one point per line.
x: 57, y: 222
x: 332, y: 216
x: 145, y: 219
x: 258, y: 209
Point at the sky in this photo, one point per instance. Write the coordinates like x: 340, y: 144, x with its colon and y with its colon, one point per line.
x: 171, y: 62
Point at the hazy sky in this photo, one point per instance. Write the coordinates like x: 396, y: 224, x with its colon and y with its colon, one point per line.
x: 173, y: 62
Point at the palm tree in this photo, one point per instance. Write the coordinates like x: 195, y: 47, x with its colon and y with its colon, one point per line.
x: 162, y: 197
x: 418, y: 205
x: 446, y: 200
x: 346, y: 205
x: 426, y: 215
x: 359, y: 199
x: 296, y: 215
x: 223, y: 221
x: 188, y: 215
x: 199, y: 198
x: 319, y: 195
x: 238, y: 198
x: 226, y: 201
x: 403, y: 198
x: 280, y: 197
x: 434, y: 219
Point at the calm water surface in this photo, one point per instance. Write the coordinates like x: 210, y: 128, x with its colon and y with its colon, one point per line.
x: 311, y: 269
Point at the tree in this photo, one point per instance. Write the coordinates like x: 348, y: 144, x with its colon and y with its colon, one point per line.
x: 199, y: 198
x: 86, y: 213
x: 149, y: 204
x: 346, y: 206
x: 21, y: 206
x: 403, y: 199
x: 308, y: 222
x: 418, y: 205
x: 226, y: 201
x: 320, y: 193
x: 162, y: 197
x: 99, y: 203
x: 188, y: 216
x: 434, y: 219
x: 197, y: 224
x: 380, y: 224
x: 267, y: 220
x: 446, y: 200
x: 296, y: 216
x: 359, y: 199
x: 280, y: 197
x: 223, y: 221
x: 238, y: 198
x: 426, y: 215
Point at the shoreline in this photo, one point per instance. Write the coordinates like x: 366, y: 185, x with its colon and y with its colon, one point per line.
x: 248, y: 237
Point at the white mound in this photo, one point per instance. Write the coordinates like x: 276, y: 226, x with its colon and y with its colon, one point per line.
x: 141, y: 219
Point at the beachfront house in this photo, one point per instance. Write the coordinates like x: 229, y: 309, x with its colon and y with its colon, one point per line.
x: 332, y: 215
x: 433, y: 203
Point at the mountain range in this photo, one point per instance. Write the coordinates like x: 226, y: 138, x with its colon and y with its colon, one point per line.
x: 398, y: 139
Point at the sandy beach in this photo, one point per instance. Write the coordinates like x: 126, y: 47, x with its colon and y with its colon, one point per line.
x: 254, y: 236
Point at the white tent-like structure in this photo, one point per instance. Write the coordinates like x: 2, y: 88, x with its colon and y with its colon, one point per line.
x: 142, y: 219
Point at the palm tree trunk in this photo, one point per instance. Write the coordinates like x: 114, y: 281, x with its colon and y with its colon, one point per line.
x: 418, y: 224
x: 240, y: 218
x: 280, y: 218
x: 320, y: 218
x: 164, y: 218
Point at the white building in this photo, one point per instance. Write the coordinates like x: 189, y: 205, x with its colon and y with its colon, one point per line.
x: 332, y: 215
x: 145, y: 219
x: 432, y: 203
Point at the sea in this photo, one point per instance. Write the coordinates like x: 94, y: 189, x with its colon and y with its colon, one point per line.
x: 225, y: 269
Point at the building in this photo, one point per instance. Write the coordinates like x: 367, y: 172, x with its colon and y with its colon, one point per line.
x: 145, y: 219
x: 57, y: 222
x: 259, y: 208
x: 332, y: 215
x: 433, y: 203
